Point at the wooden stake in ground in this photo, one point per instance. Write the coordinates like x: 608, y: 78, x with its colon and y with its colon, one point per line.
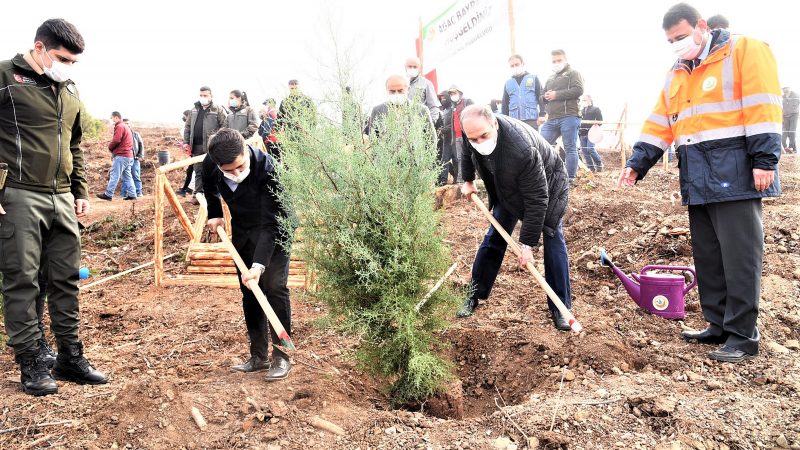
x: 198, y: 419
x: 330, y: 427
x: 286, y: 341
x: 436, y: 286
x: 573, y: 322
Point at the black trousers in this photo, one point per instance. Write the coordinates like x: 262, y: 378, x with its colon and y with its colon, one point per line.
x: 273, y: 283
x: 728, y: 247
x: 789, y: 131
x: 188, y: 179
x: 198, y: 168
x: 533, y: 123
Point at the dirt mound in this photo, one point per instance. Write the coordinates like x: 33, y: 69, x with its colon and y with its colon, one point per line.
x: 627, y: 381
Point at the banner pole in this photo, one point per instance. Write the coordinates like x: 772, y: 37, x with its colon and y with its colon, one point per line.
x: 512, y: 27
x: 419, y: 47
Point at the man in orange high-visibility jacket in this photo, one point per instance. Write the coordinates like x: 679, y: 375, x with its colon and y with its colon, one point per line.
x: 721, y: 105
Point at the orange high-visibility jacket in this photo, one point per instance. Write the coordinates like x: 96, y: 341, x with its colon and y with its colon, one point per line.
x: 724, y: 117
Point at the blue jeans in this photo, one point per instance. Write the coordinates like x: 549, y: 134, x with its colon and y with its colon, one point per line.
x: 136, y: 173
x: 593, y: 160
x: 567, y: 128
x: 493, y: 249
x: 121, y: 168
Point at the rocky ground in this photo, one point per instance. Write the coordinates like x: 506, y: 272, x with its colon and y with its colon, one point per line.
x: 626, y: 381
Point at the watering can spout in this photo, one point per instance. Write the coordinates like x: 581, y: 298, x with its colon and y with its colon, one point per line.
x: 631, y: 285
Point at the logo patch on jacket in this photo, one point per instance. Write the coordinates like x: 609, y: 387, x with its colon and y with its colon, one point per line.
x: 23, y: 79
x: 709, y: 83
x: 529, y: 82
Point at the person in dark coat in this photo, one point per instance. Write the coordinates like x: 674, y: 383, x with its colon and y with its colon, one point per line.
x: 525, y: 180
x: 453, y: 141
x: 589, y: 112
x: 791, y: 109
x: 245, y: 178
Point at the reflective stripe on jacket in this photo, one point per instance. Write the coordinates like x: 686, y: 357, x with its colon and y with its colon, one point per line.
x: 724, y: 117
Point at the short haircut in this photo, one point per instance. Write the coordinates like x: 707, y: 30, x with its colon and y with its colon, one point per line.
x: 477, y: 111
x: 116, y: 114
x: 680, y: 12
x: 558, y: 51
x: 718, y: 21
x: 293, y: 82
x: 516, y: 56
x: 205, y: 88
x: 225, y: 146
x: 395, y: 76
x: 269, y: 101
x: 56, y: 33
x: 125, y: 119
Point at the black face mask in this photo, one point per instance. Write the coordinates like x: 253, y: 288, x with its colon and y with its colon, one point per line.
x: 446, y: 103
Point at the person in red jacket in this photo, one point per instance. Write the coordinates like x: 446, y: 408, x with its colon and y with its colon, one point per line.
x: 121, y: 148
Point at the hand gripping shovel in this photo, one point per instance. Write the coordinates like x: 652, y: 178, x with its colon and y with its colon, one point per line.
x: 573, y: 322
x: 286, y: 341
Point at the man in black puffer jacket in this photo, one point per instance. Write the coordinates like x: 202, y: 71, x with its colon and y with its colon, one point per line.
x: 526, y: 180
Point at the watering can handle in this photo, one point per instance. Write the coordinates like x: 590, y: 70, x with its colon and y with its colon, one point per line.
x: 645, y: 269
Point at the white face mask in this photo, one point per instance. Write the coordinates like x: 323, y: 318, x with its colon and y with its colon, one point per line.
x: 412, y: 73
x: 242, y: 173
x: 558, y: 67
x: 486, y: 147
x: 455, y: 98
x: 58, y: 71
x: 686, y: 48
x: 519, y: 70
x: 398, y: 99
x: 204, y: 101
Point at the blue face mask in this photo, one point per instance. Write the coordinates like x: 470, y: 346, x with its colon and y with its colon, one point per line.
x: 234, y: 103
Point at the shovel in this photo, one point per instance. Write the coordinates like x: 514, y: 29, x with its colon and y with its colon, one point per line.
x: 571, y: 320
x: 286, y: 341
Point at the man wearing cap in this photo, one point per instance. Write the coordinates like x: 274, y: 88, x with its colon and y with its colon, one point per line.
x: 453, y: 138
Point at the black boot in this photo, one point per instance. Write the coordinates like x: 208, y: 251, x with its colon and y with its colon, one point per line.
x: 72, y: 366
x: 468, y: 307
x: 254, y: 364
x: 280, y: 366
x: 35, y: 376
x: 48, y: 354
x: 559, y: 321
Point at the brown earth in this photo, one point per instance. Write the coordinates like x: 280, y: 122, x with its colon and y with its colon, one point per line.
x: 627, y: 381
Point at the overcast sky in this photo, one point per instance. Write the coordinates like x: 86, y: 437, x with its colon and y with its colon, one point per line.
x: 147, y: 59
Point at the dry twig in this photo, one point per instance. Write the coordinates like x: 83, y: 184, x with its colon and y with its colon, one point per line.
x: 558, y: 399
x: 508, y: 416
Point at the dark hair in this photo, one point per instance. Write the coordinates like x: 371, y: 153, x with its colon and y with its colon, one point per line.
x: 293, y: 82
x: 269, y: 101
x: 56, y: 33
x: 225, y: 146
x: 516, y: 56
x: 242, y: 95
x: 116, y: 114
x: 125, y: 119
x: 205, y: 88
x: 680, y: 12
x: 718, y: 21
x: 558, y: 51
